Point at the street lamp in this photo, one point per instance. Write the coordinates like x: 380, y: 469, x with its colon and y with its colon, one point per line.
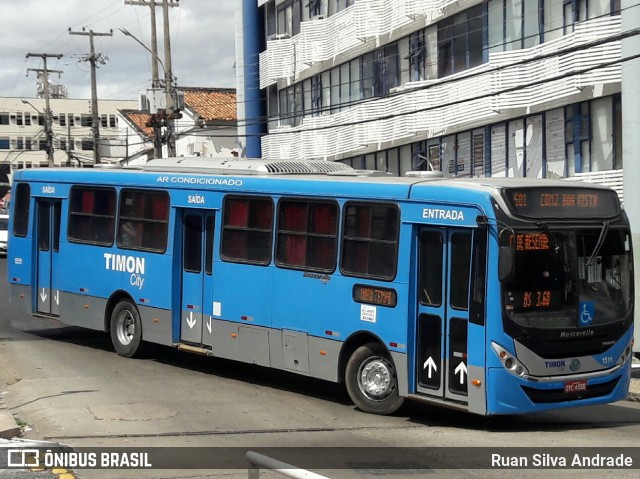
x: 47, y: 130
x: 129, y: 34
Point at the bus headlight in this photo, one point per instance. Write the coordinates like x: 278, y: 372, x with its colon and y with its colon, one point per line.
x: 509, y: 362
x: 624, y: 356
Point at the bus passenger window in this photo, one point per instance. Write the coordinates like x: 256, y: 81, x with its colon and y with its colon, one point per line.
x: 307, y: 234
x: 247, y: 230
x: 144, y: 219
x: 370, y: 240
x: 21, y: 210
x: 92, y: 214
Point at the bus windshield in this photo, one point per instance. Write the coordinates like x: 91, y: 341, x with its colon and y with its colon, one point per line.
x: 569, y: 279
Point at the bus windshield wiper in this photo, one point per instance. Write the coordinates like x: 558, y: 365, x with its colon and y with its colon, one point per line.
x: 599, y: 243
x: 556, y: 247
x: 544, y: 227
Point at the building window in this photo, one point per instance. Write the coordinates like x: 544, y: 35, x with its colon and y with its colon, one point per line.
x: 316, y: 95
x: 143, y: 220
x: 461, y: 41
x: 617, y: 131
x: 378, y: 72
x: 42, y: 144
x: 417, y: 56
x: 577, y: 136
x: 314, y: 8
x: 63, y: 119
x: 5, y: 143
x: 86, y: 120
x: 247, y: 230
x: 19, y: 120
x: 370, y: 240
x: 477, y: 154
x: 307, y: 233
x: 289, y: 17
x: 112, y: 121
x: 291, y: 105
x: 574, y: 11
x: 20, y: 143
x: 4, y: 118
x: 92, y: 214
x: 71, y: 119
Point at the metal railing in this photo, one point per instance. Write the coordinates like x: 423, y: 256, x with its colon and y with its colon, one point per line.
x: 259, y: 461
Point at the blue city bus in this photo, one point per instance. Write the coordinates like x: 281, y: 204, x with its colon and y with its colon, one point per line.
x: 489, y: 295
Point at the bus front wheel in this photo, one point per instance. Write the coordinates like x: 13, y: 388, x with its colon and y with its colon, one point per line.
x: 371, y: 380
x: 126, y: 329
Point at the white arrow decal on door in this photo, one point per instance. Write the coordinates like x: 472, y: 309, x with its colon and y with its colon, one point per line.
x: 43, y: 295
x: 209, y: 324
x: 191, y: 321
x: 431, y: 365
x: 462, y: 370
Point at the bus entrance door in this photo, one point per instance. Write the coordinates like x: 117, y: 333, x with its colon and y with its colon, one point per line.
x: 48, y: 247
x: 443, y: 312
x: 197, y: 277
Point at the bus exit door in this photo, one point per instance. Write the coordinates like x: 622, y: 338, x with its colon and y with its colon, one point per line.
x: 197, y: 277
x: 48, y: 247
x: 444, y: 268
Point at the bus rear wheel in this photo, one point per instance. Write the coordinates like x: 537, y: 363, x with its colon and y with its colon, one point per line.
x: 371, y: 380
x: 126, y: 329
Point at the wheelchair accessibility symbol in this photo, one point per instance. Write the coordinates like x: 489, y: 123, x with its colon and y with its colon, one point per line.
x: 587, y: 311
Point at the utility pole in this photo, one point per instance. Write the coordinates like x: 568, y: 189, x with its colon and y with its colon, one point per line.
x: 93, y: 59
x: 47, y: 110
x: 155, y: 77
x: 168, y: 83
x: 156, y: 120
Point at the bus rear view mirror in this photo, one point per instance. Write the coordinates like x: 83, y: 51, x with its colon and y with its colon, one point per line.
x: 506, y: 264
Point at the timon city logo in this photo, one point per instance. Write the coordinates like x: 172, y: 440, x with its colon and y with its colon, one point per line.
x: 126, y: 264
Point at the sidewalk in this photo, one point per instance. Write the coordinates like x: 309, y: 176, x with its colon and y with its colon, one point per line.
x: 8, y: 426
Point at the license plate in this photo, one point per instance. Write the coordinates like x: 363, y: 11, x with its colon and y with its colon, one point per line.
x: 575, y: 386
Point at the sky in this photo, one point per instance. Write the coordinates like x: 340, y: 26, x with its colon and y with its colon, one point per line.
x: 202, y: 45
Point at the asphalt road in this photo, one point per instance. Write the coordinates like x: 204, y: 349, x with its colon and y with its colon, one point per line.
x: 69, y: 387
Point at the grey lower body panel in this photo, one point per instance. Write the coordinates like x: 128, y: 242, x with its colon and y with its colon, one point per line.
x: 20, y: 298
x: 294, y: 351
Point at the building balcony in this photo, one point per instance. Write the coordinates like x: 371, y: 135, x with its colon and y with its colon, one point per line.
x: 348, y: 33
x: 510, y: 84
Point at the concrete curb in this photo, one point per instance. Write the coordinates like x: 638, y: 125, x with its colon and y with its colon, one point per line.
x: 8, y: 427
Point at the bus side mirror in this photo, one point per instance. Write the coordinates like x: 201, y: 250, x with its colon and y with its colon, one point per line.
x: 506, y: 264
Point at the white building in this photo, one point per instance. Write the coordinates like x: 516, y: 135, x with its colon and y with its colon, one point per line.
x: 23, y: 139
x: 469, y: 87
x: 207, y: 127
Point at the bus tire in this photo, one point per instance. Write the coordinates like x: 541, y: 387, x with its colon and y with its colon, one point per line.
x: 371, y: 380
x: 126, y: 329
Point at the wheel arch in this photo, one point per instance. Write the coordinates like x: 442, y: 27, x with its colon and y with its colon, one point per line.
x: 353, y: 342
x: 115, y: 298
